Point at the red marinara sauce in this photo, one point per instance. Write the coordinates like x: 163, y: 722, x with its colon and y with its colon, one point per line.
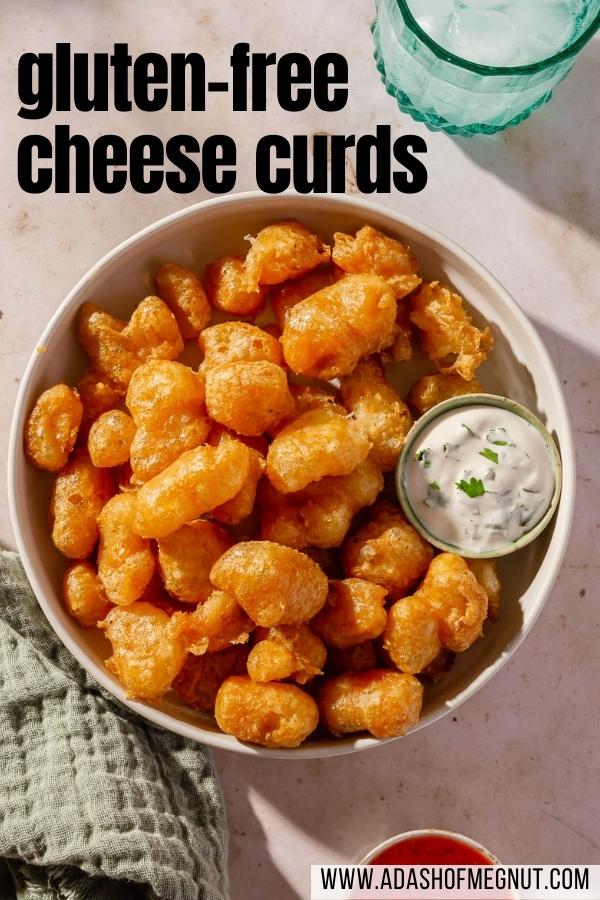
x: 430, y: 850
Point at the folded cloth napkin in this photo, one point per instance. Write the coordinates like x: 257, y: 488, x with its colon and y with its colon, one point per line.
x: 95, y: 804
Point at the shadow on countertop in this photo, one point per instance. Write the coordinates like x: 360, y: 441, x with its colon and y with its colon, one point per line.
x: 552, y: 155
x: 470, y: 771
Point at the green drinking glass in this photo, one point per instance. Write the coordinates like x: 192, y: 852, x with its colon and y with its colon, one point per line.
x: 478, y: 66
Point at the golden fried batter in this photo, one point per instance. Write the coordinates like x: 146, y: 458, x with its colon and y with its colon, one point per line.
x: 273, y: 715
x: 201, y: 677
x: 388, y: 551
x: 230, y: 289
x: 197, y: 482
x: 370, y: 251
x: 326, y: 334
x: 354, y: 613
x: 320, y: 514
x: 287, y: 651
x: 148, y: 651
x: 80, y: 491
x: 282, y: 251
x: 318, y: 443
x: 166, y: 401
x: 52, y: 426
x: 182, y: 291
x: 125, y: 560
x: 186, y: 557
x: 432, y: 389
x: 110, y: 438
x: 285, y: 296
x: 381, y: 701
x: 274, y: 584
x: 377, y: 407
x: 447, y: 611
x: 449, y: 337
x: 215, y: 624
x: 248, y: 397
x: 232, y: 342
x: 116, y: 348
x: 84, y: 595
x: 486, y: 573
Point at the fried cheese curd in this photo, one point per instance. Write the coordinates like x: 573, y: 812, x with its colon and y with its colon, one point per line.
x: 109, y: 439
x: 79, y: 493
x: 381, y: 701
x: 379, y: 410
x: 326, y: 334
x: 275, y: 585
x: 287, y: 295
x: 201, y: 677
x: 446, y: 611
x: 270, y: 714
x: 83, y: 594
x: 357, y: 658
x: 125, y: 560
x: 430, y: 390
x: 286, y: 651
x: 229, y: 288
x: 231, y: 342
x: 283, y: 251
x: 486, y: 573
x: 148, y: 650
x: 248, y: 397
x: 182, y: 291
x: 387, y: 551
x: 198, y: 481
x: 370, y: 251
x: 52, y: 427
x: 116, y: 348
x: 316, y: 444
x: 186, y: 556
x: 354, y: 612
x: 166, y: 401
x: 216, y: 624
x: 308, y: 397
x: 320, y: 515
x: 401, y: 347
x: 246, y: 387
x: 449, y: 338
x: 98, y: 394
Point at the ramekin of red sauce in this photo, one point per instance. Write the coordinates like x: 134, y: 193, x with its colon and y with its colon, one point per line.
x: 429, y: 847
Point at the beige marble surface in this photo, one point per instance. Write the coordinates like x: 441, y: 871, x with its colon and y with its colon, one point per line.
x: 516, y: 767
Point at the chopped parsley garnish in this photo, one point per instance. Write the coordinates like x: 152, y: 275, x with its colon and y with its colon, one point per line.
x: 470, y: 430
x: 489, y: 454
x: 435, y: 497
x: 499, y: 443
x: 473, y: 488
x: 422, y: 456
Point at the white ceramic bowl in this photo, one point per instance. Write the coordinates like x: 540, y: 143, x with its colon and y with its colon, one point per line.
x: 519, y: 368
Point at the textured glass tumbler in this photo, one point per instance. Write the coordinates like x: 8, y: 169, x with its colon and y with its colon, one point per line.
x: 451, y: 94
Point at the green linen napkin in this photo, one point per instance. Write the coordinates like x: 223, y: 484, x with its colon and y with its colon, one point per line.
x: 95, y: 804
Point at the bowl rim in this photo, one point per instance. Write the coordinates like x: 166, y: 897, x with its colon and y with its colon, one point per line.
x: 467, y: 400
x: 196, y: 732
x: 428, y: 832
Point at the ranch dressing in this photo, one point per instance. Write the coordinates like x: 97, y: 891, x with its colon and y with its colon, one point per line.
x: 479, y: 477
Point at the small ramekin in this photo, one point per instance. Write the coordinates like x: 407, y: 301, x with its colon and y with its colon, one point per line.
x: 429, y: 832
x: 477, y: 400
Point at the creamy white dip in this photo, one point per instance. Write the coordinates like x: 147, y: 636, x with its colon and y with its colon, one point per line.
x: 479, y: 477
